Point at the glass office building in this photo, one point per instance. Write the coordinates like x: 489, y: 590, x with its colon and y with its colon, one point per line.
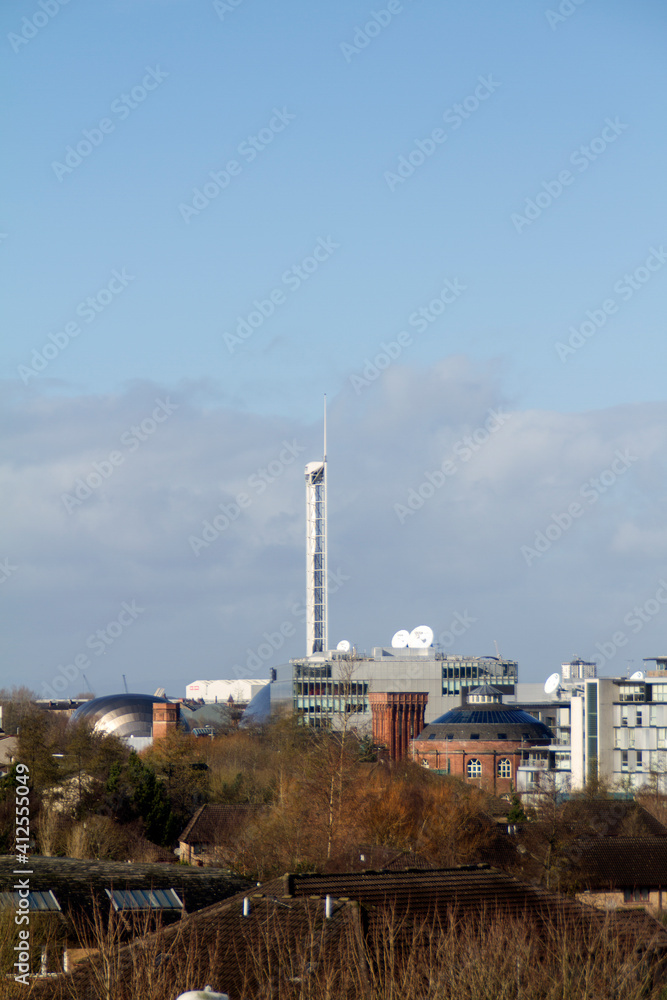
x: 322, y: 690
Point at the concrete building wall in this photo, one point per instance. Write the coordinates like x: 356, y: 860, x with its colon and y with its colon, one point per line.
x: 577, y: 742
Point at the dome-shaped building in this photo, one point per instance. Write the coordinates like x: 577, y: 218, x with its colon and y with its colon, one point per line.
x: 482, y: 741
x: 123, y: 715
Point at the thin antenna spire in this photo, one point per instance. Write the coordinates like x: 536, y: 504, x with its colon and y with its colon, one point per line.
x: 325, y: 426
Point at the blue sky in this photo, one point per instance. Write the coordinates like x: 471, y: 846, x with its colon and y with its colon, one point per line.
x: 333, y: 125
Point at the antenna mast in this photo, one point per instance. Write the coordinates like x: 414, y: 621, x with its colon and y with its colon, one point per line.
x: 316, y: 551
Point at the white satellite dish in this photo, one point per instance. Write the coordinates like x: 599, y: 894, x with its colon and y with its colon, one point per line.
x: 343, y: 646
x: 420, y: 637
x: 400, y: 639
x: 637, y: 676
x: 552, y: 683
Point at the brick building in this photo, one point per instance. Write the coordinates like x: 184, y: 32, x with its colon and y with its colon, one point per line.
x: 398, y: 718
x: 482, y: 741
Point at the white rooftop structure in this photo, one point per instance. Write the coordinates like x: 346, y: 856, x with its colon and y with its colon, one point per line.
x: 241, y: 691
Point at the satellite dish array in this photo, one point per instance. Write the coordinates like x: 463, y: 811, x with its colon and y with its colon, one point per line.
x: 419, y: 638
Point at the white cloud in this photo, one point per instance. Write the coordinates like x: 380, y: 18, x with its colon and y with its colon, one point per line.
x: 460, y: 551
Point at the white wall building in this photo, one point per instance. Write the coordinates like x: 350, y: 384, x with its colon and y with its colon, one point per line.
x: 607, y: 729
x: 242, y: 691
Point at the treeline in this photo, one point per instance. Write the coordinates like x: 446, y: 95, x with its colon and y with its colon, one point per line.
x: 324, y: 794
x: 317, y: 800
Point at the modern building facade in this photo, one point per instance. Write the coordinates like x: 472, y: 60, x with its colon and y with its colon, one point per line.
x: 611, y: 730
x: 321, y: 690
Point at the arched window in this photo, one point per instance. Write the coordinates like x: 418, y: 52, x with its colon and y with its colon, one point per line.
x: 474, y: 768
x: 504, y: 768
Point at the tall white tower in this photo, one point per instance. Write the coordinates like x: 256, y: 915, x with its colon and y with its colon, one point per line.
x: 316, y: 551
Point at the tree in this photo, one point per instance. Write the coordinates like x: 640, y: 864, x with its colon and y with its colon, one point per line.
x: 15, y: 703
x: 36, y: 746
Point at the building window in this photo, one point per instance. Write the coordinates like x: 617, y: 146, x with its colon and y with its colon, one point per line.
x: 474, y: 768
x: 504, y: 768
x: 640, y: 895
x: 624, y: 760
x: 632, y: 692
x: 502, y: 736
x: 474, y: 736
x: 432, y: 736
x: 624, y: 718
x: 639, y: 759
x: 639, y: 717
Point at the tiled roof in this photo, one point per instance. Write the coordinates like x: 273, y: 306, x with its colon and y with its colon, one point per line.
x: 467, y: 891
x: 284, y: 937
x: 613, y: 818
x: 77, y: 883
x: 623, y: 862
x: 277, y: 943
x: 215, y: 823
x: 381, y: 859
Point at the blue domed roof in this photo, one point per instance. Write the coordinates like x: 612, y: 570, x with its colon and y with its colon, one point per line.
x: 490, y: 721
x: 494, y: 714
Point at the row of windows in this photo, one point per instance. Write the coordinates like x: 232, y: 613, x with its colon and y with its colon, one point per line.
x: 475, y: 736
x: 336, y: 688
x: 339, y: 708
x: 645, y: 759
x: 503, y: 768
x: 629, y: 738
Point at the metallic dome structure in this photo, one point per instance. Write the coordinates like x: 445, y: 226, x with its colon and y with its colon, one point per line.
x: 120, y: 714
